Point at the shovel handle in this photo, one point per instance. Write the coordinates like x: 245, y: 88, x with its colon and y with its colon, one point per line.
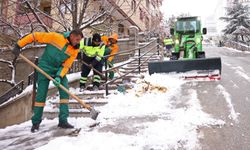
x: 61, y: 86
x: 115, y: 70
x: 93, y: 69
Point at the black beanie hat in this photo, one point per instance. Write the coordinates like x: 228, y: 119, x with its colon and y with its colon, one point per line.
x: 96, y: 37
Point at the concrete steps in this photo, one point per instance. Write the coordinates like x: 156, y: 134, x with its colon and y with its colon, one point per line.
x: 72, y: 113
x: 75, y: 105
x: 75, y: 109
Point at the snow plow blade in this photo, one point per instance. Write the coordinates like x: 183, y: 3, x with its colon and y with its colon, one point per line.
x: 181, y: 66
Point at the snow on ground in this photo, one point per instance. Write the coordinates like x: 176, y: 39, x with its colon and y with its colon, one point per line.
x: 236, y: 50
x: 233, y: 114
x: 151, y: 121
x: 241, y: 72
x: 154, y: 120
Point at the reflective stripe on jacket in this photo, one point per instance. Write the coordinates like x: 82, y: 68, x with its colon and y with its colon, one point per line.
x: 168, y: 42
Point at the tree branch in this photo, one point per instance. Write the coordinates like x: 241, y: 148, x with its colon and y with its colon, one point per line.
x: 37, y: 17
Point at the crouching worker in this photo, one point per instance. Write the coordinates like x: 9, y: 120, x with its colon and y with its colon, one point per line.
x: 92, y: 52
x: 59, y: 54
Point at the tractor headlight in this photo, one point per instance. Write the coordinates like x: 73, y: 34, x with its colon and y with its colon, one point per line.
x: 198, y: 40
x: 177, y: 42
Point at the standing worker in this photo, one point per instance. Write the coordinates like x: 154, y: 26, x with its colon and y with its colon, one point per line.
x: 60, y: 53
x: 168, y: 43
x: 112, y: 45
x: 93, y: 50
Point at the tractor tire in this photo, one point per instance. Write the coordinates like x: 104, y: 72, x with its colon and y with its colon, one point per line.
x: 173, y: 57
x: 201, y: 55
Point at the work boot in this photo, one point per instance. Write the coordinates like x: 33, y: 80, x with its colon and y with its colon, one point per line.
x: 65, y: 125
x: 82, y: 88
x: 95, y: 88
x: 35, y: 127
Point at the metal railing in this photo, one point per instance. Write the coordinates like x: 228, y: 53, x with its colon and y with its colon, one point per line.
x: 17, y: 89
x: 140, y: 56
x: 133, y: 70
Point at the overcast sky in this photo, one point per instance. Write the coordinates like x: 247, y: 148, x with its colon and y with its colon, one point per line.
x: 201, y: 8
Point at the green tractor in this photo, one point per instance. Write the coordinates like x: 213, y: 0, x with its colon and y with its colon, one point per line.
x: 188, y: 38
x: 187, y: 54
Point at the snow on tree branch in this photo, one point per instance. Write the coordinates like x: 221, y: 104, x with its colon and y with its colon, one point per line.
x: 238, y: 21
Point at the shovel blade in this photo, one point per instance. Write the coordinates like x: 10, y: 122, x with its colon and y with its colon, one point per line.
x: 185, y: 65
x: 94, y: 114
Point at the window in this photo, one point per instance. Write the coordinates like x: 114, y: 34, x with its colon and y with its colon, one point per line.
x: 47, y: 10
x: 21, y: 8
x: 121, y: 29
x: 133, y: 5
x: 187, y: 26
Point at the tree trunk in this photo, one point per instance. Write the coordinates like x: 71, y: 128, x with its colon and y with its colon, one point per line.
x: 242, y: 38
x: 236, y: 37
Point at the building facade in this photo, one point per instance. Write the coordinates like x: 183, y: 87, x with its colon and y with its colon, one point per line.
x: 144, y: 14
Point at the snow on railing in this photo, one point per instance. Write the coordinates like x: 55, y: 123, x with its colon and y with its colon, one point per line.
x: 17, y: 89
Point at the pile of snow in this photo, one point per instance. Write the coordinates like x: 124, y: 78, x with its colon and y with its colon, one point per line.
x: 151, y: 121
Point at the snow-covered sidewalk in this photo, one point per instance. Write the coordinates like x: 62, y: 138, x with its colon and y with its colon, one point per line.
x: 152, y: 120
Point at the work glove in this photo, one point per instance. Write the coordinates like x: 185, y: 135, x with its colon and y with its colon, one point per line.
x: 16, y: 50
x: 57, y: 81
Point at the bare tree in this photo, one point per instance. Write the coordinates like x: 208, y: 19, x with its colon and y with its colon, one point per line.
x: 62, y: 15
x: 26, y: 16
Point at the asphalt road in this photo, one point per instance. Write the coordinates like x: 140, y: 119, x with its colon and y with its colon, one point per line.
x: 228, y: 100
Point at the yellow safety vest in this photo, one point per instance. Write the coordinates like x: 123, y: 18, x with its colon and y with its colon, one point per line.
x: 168, y: 41
x: 92, y: 51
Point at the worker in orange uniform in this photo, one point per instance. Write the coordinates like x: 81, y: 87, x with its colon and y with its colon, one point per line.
x: 60, y: 53
x: 112, y: 45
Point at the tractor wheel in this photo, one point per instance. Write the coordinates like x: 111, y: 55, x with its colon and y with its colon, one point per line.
x: 200, y: 55
x: 173, y: 57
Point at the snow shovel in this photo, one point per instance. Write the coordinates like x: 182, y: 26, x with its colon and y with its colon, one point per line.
x: 91, y: 67
x: 115, y: 70
x: 93, y: 112
x: 98, y: 72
